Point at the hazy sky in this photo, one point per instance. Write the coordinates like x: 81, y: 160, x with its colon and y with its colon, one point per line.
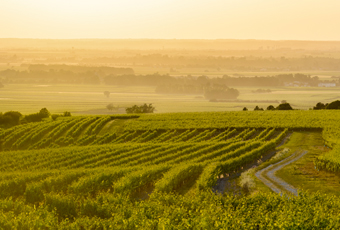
x: 205, y: 19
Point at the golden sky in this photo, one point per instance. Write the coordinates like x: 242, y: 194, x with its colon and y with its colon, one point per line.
x: 180, y: 19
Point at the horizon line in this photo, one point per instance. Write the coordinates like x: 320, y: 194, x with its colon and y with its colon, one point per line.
x: 207, y: 39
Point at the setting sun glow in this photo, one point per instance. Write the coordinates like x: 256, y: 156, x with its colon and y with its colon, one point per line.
x: 201, y: 19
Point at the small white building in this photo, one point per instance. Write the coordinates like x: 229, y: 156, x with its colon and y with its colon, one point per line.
x: 297, y: 84
x: 327, y: 84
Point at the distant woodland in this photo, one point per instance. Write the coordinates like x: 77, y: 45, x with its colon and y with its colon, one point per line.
x: 232, y: 63
x: 125, y: 76
x: 224, y: 55
x: 135, y: 62
x: 247, y: 63
x: 59, y: 74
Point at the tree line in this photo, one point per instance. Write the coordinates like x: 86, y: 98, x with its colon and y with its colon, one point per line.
x: 189, y: 83
x: 283, y: 106
x: 243, y: 63
x: 13, y: 118
x: 332, y: 105
x: 61, y: 74
x: 286, y: 106
x: 125, y: 76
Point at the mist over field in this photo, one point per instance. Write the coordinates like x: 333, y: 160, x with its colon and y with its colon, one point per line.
x: 171, y: 114
x: 173, y: 75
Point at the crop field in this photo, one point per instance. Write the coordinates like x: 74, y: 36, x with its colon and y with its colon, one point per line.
x: 169, y: 115
x: 89, y: 99
x: 155, y: 171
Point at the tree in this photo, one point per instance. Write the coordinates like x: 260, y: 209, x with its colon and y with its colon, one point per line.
x: 284, y: 106
x: 67, y: 114
x: 112, y: 107
x: 140, y: 109
x: 44, y: 113
x: 245, y: 109
x: 107, y: 94
x: 258, y: 109
x: 10, y: 118
x: 319, y: 106
x: 270, y: 107
x: 333, y: 105
x: 36, y: 117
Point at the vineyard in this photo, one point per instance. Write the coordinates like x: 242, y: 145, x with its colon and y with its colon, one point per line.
x: 132, y: 172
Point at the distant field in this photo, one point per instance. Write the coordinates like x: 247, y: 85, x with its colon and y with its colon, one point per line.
x: 101, y: 169
x: 86, y: 99
x: 213, y: 72
x: 184, y: 71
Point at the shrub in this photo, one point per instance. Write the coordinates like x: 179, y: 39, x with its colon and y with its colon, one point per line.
x: 67, y: 114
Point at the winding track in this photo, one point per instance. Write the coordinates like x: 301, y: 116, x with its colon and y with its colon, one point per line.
x: 270, y: 173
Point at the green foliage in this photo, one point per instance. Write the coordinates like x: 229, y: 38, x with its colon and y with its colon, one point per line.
x: 284, y: 106
x: 177, y: 175
x: 140, y: 178
x: 36, y: 117
x: 55, y: 116
x: 319, y: 106
x: 270, y: 107
x: 333, y: 105
x: 64, y: 206
x: 63, y: 132
x: 10, y: 118
x: 169, y: 211
x: 44, y: 113
x: 258, y: 108
x: 140, y: 109
x: 96, y: 185
x: 296, y: 119
x: 67, y: 114
x: 96, y: 182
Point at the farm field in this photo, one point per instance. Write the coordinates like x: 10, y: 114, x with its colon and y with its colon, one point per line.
x: 211, y: 72
x: 169, y: 115
x: 87, y: 99
x: 159, y: 171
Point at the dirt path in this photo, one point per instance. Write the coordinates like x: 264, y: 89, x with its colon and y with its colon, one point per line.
x: 274, y: 182
x: 225, y: 183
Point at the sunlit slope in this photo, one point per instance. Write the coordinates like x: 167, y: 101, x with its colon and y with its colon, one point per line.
x: 163, y: 158
x: 296, y: 119
x: 163, y: 150
x: 74, y: 169
x: 97, y: 130
x: 126, y: 168
x: 64, y: 131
